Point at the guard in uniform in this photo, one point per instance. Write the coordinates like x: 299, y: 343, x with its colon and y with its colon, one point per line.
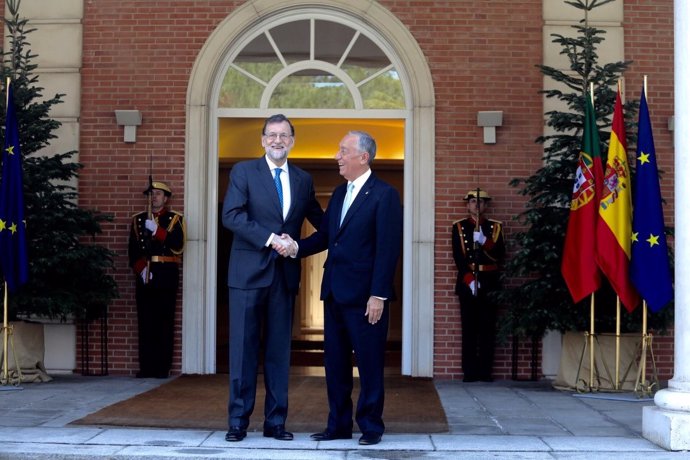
x: 478, y: 250
x: 156, y: 243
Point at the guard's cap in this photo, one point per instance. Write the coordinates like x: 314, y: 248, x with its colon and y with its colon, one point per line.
x: 473, y: 194
x: 157, y: 185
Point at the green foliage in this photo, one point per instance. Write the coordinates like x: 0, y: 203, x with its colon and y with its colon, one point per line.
x: 310, y: 91
x: 542, y: 301
x: 68, y: 272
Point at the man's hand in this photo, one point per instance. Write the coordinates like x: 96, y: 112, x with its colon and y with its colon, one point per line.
x: 374, y: 309
x: 151, y: 225
x: 284, y: 245
x: 479, y: 237
x: 143, y: 275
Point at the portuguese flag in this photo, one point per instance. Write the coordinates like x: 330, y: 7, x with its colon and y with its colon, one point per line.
x: 579, y: 266
x: 614, y: 229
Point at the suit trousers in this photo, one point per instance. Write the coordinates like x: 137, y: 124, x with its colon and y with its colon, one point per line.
x: 256, y: 315
x: 156, y: 319
x: 346, y: 329
x: 478, y: 316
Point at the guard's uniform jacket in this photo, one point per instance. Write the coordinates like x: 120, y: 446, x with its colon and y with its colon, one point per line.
x: 164, y: 247
x: 488, y: 256
x: 157, y: 298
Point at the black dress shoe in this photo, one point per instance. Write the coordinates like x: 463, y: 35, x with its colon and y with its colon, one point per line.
x: 369, y: 439
x: 329, y: 436
x: 277, y: 432
x: 235, y: 433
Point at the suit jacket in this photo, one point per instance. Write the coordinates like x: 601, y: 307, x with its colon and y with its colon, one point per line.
x: 363, y: 252
x: 251, y: 210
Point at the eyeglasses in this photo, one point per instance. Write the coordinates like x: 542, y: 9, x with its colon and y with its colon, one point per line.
x: 274, y: 136
x: 347, y: 153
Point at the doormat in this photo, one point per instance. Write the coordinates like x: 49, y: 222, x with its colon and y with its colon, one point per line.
x: 200, y: 402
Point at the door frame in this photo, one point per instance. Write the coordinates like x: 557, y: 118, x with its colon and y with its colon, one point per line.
x: 201, y: 179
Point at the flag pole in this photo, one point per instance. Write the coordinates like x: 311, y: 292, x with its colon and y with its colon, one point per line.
x: 591, y: 342
x: 591, y: 302
x: 5, y: 340
x: 643, y: 359
x: 5, y: 326
x: 6, y: 333
x: 616, y: 384
x: 641, y: 386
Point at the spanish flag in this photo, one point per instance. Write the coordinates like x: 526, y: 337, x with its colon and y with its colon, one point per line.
x: 614, y: 228
x: 579, y: 267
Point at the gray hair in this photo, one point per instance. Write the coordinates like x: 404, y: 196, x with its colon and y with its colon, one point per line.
x: 365, y: 143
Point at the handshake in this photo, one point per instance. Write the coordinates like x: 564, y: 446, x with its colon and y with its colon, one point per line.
x: 284, y: 245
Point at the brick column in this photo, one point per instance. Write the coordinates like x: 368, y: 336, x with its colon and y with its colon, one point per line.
x: 668, y: 422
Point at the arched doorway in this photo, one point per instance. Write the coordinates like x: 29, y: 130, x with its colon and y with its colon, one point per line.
x: 245, y: 31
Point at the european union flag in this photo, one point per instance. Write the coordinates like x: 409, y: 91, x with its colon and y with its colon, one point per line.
x: 13, y: 255
x: 650, y: 271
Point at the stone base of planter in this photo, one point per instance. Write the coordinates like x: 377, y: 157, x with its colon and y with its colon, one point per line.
x: 26, y: 348
x: 573, y: 360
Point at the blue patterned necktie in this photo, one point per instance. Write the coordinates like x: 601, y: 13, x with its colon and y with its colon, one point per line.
x: 347, y: 201
x: 279, y: 186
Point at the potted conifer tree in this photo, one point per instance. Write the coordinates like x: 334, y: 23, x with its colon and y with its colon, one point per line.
x: 69, y: 272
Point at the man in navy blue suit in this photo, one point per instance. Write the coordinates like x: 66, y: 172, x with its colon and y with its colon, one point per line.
x: 266, y: 198
x: 362, y: 230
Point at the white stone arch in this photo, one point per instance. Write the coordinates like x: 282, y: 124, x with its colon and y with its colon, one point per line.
x: 201, y: 179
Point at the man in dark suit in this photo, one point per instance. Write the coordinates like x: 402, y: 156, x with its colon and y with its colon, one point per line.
x: 362, y: 230
x: 266, y: 197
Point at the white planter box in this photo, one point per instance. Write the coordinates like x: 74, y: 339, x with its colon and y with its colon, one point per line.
x: 60, y: 348
x: 551, y: 354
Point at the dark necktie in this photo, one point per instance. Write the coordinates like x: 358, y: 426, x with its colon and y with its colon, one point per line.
x: 279, y: 187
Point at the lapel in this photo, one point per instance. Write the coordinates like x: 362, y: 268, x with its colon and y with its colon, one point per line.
x: 337, y: 205
x: 295, y: 184
x: 361, y: 198
x: 266, y: 179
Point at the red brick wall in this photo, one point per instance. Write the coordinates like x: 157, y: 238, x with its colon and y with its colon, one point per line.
x: 481, y: 58
x: 649, y: 44
x: 137, y: 55
x: 482, y: 55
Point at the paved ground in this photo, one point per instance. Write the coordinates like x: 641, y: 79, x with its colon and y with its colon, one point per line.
x: 517, y: 420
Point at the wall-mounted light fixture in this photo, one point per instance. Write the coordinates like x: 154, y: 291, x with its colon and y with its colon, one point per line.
x: 130, y: 119
x: 671, y: 122
x: 489, y: 120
